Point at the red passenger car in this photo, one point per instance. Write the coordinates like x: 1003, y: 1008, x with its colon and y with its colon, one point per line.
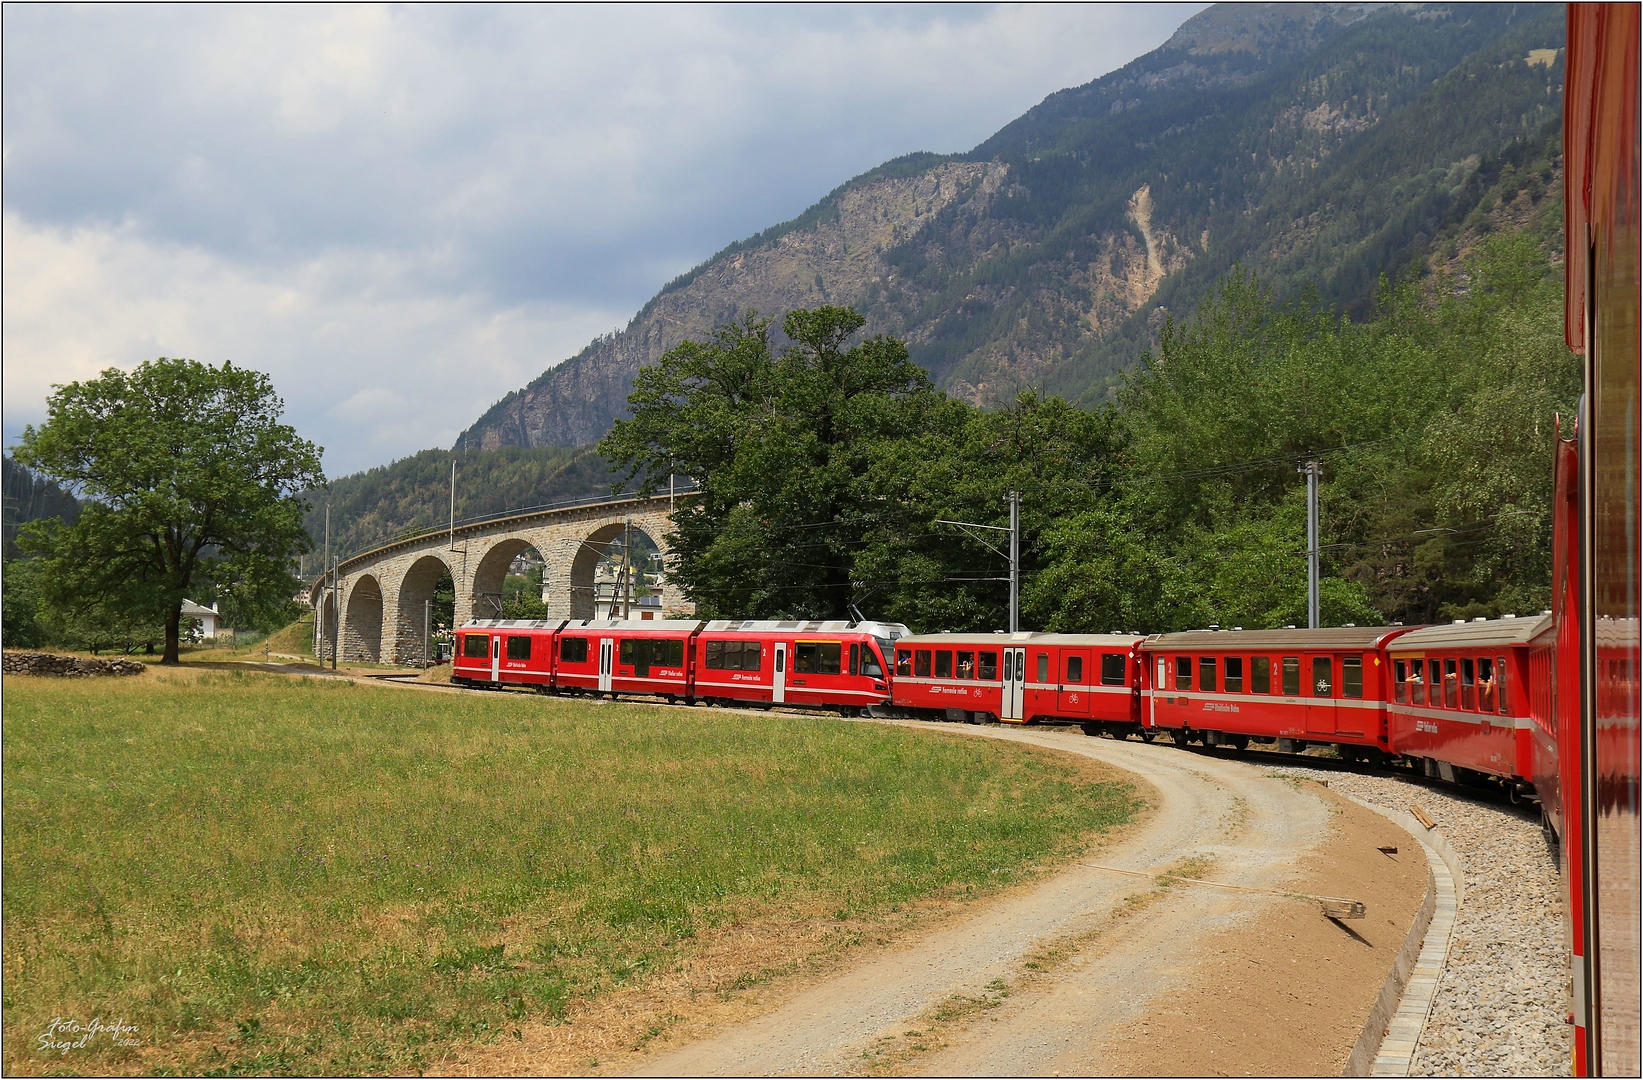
x: 835, y: 664
x: 1088, y: 679
x: 498, y: 651
x: 626, y: 656
x: 1461, y: 700
x: 1226, y: 687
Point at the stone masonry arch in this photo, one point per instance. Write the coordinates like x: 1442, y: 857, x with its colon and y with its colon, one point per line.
x: 362, y: 621
x: 405, y: 642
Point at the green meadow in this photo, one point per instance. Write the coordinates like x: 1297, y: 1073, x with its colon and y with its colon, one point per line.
x: 267, y: 874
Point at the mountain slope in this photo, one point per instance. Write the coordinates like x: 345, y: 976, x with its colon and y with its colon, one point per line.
x: 1320, y: 145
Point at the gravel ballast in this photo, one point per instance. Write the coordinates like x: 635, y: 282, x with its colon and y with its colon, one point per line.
x: 1503, y: 999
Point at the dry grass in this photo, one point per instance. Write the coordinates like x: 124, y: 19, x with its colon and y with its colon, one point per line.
x: 276, y: 875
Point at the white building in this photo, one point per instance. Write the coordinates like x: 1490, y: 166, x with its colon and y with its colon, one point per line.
x: 208, y: 618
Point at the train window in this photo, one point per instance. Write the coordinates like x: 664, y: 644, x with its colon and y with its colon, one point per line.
x: 817, y: 657
x: 1486, y: 684
x: 870, y: 663
x: 1500, y: 684
x: 635, y: 653
x: 1323, y: 676
x: 987, y: 665
x: 921, y: 663
x: 967, y: 664
x: 1400, y: 674
x: 573, y: 650
x: 1206, y: 674
x: 519, y: 647
x: 904, y: 662
x: 726, y: 655
x: 1043, y: 667
x: 1451, y: 685
x: 1235, y: 675
x: 1434, y: 682
x: 1468, y: 681
x: 855, y: 657
x: 1292, y: 676
x: 1075, y: 670
x: 944, y: 663
x: 1352, y: 676
x: 1183, y: 673
x: 476, y: 646
x: 1260, y: 675
x: 1112, y: 669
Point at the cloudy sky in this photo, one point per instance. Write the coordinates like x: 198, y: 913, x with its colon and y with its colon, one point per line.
x: 403, y: 213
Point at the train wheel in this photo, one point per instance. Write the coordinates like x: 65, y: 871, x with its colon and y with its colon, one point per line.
x: 1181, y: 737
x: 1091, y: 730
x: 1148, y: 734
x: 1237, y: 742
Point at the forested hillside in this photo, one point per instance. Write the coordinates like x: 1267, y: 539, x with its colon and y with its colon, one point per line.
x: 413, y: 494
x: 829, y: 467
x: 1317, y: 146
x: 29, y: 498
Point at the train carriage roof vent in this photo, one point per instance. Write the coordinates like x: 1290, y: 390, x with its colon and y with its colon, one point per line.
x: 1460, y: 622
x: 1481, y: 618
x: 1546, y: 611
x: 1349, y: 624
x: 1509, y: 615
x: 1215, y: 626
x: 1237, y: 628
x: 1289, y: 626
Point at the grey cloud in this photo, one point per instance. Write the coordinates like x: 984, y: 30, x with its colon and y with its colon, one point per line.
x: 547, y: 165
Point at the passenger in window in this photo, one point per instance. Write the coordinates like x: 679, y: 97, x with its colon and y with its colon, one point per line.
x: 1414, y: 683
x: 904, y: 663
x: 1486, y: 685
x: 966, y: 665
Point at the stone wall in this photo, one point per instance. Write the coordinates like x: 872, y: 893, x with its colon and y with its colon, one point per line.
x: 72, y: 667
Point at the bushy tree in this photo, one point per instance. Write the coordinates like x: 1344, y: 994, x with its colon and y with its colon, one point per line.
x: 190, y: 485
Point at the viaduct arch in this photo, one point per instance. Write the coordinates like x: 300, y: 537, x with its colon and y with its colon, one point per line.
x: 383, y: 591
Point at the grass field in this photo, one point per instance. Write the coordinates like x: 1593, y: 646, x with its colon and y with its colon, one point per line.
x: 266, y: 874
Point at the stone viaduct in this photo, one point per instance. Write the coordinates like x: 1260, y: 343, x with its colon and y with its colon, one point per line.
x: 382, y: 591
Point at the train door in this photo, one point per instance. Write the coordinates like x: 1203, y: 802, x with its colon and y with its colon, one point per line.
x: 496, y: 658
x: 1015, y: 670
x: 779, y: 676
x: 1073, y: 696
x: 1320, y: 713
x: 607, y: 657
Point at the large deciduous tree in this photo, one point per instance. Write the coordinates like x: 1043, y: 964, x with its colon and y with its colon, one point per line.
x: 191, y: 485
x: 781, y: 441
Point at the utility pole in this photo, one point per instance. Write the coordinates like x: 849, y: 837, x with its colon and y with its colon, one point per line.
x: 1312, y: 469
x: 1015, y: 561
x: 627, y: 564
x: 336, y: 595
x: 324, y: 586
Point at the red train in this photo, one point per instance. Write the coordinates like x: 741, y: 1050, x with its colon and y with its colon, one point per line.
x: 1088, y: 679
x: 831, y: 665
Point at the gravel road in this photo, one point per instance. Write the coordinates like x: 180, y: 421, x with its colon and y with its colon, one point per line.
x: 1503, y: 997
x: 1253, y: 826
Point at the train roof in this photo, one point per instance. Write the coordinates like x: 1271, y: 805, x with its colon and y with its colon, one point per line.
x: 1509, y: 631
x: 803, y: 626
x: 512, y: 624
x: 1324, y: 637
x: 1003, y: 637
x: 673, y: 625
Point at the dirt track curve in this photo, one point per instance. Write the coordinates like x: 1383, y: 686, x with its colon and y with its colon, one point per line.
x: 1067, y: 976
